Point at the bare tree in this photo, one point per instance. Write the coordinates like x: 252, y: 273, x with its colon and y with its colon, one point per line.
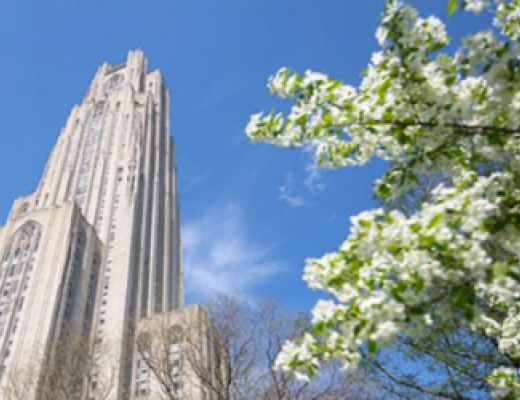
x: 228, y: 354
x: 229, y: 367
x: 158, y: 349
x: 185, y: 353
x: 71, y: 372
x: 278, y: 326
x: 21, y: 382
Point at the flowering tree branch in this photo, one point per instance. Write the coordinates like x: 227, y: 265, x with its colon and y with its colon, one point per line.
x: 456, y: 256
x: 461, y: 128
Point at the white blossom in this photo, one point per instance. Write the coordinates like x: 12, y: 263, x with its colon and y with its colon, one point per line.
x: 466, y: 234
x: 254, y: 124
x: 476, y: 6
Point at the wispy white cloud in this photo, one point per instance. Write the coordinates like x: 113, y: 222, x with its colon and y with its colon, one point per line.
x: 221, y: 255
x: 314, y: 181
x: 195, y: 181
x: 288, y: 195
x: 296, y: 192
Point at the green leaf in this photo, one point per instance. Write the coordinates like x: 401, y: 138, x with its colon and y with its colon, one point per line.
x: 452, y: 6
x: 419, y: 286
x: 395, y: 249
x: 397, y: 294
x: 384, y: 190
x: 336, y: 85
x: 372, y: 347
x: 320, y: 328
x: 435, y: 220
x: 358, y: 328
x: 327, y: 118
x: 365, y: 223
x: 388, y: 116
x: 401, y: 136
x: 496, y: 139
x: 496, y: 225
x: 469, y: 313
x: 503, y: 50
x: 302, y: 120
x: 451, y: 80
x: 500, y: 269
x: 436, y: 47
x: 384, y: 87
x: 426, y: 241
x: 337, y: 281
x: 417, y: 310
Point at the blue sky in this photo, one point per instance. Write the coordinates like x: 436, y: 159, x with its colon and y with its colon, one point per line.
x: 251, y: 214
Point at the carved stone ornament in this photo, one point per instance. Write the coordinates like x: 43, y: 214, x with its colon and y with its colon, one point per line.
x: 114, y: 83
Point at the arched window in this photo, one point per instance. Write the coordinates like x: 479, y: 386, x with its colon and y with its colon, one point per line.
x: 88, y: 158
x: 17, y: 260
x: 114, y: 83
x: 24, y: 241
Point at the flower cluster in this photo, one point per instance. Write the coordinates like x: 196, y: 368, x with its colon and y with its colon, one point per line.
x: 429, y: 114
x: 506, y: 382
x: 384, y: 273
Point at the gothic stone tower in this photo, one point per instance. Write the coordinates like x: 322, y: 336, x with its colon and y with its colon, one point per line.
x: 97, y: 244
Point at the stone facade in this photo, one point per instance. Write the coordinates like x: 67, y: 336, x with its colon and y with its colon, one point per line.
x: 184, y: 350
x: 51, y: 261
x: 96, y: 248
